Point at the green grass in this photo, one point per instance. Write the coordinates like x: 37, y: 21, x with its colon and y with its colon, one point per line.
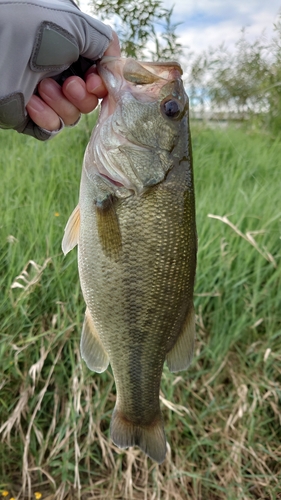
x: 222, y: 417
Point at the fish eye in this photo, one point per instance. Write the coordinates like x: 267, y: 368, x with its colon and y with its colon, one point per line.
x: 171, y: 108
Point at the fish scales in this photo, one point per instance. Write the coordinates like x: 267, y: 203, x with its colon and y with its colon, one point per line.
x: 137, y: 259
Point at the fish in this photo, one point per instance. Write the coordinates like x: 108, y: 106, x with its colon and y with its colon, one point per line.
x: 136, y: 234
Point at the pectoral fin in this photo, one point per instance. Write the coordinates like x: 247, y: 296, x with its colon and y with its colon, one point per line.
x: 179, y: 357
x: 108, y: 228
x: 71, y: 232
x: 92, y: 350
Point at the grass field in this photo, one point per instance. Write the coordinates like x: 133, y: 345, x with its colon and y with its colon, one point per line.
x: 222, y: 416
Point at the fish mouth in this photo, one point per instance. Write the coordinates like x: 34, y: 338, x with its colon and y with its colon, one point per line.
x: 147, y: 70
x: 145, y: 79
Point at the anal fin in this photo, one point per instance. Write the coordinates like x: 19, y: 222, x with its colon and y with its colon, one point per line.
x: 179, y: 357
x: 92, y: 350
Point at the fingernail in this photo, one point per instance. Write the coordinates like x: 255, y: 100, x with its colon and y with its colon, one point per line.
x: 36, y: 104
x: 76, y: 90
x: 94, y: 84
x: 50, y: 89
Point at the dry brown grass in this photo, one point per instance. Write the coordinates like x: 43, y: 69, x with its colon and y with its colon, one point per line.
x: 222, y: 416
x: 217, y: 439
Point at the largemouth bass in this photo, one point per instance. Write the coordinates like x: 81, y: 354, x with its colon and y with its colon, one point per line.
x: 136, y: 236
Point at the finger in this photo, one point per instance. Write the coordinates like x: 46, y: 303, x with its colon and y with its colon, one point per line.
x: 75, y: 90
x: 73, y: 97
x: 95, y: 85
x: 114, y: 47
x: 85, y: 95
x: 51, y: 92
x: 44, y: 116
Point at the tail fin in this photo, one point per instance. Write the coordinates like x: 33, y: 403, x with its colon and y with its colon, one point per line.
x: 150, y: 438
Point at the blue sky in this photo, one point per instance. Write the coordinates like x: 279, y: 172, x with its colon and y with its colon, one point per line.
x: 207, y: 23
x: 211, y: 22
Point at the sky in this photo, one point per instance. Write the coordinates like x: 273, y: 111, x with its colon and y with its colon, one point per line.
x: 206, y: 23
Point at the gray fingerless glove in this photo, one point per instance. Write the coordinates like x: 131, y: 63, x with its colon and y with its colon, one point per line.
x: 39, y: 39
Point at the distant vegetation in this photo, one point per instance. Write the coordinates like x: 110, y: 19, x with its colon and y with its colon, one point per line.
x: 245, y: 82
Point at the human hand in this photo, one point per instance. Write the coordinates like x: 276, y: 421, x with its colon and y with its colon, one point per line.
x: 68, y: 101
x: 39, y: 39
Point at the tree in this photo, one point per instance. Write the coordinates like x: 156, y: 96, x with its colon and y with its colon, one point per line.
x: 245, y: 82
x: 232, y: 81
x: 273, y: 88
x: 145, y: 27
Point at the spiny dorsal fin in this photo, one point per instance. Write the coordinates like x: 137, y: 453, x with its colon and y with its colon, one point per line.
x: 179, y: 357
x: 71, y: 232
x: 92, y: 350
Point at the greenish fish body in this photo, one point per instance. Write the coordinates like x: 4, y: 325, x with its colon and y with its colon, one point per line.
x: 136, y: 235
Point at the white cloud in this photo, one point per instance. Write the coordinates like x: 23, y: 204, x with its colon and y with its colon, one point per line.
x: 207, y: 23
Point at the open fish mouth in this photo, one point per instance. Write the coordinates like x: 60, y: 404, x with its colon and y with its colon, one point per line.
x: 140, y: 72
